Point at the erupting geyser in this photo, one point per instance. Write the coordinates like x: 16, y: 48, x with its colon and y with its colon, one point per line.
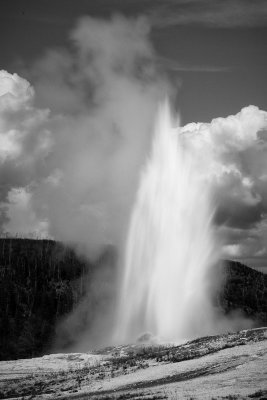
x: 171, y: 245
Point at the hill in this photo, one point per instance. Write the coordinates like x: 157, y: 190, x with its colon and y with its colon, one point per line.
x: 245, y: 289
x: 41, y: 281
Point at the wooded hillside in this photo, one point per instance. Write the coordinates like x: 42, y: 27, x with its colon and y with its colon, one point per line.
x: 41, y: 281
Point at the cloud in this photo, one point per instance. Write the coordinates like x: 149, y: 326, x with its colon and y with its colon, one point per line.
x: 210, y: 13
x: 24, y: 139
x: 235, y: 155
x: 247, y: 245
x: 21, y: 219
x: 174, y: 65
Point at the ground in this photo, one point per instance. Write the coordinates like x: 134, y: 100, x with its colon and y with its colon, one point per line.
x: 229, y: 366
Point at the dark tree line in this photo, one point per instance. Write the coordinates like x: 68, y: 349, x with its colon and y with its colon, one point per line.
x: 41, y: 281
x: 245, y: 289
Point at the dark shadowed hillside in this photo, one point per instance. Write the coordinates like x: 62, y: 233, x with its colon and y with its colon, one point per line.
x: 42, y: 281
x: 245, y: 289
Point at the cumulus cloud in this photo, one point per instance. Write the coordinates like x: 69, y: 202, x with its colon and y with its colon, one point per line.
x: 235, y: 150
x: 24, y: 138
x: 22, y: 220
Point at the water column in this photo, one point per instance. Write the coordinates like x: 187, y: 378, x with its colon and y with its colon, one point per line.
x: 171, y: 246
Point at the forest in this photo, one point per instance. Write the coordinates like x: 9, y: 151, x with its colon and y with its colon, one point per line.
x: 42, y: 281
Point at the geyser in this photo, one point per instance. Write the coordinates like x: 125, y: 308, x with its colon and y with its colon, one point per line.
x: 171, y: 245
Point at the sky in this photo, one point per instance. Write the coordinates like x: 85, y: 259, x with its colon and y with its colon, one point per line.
x: 106, y: 73
x: 215, y: 51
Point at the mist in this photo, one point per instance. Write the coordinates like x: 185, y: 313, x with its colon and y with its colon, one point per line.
x: 80, y: 160
x: 73, y: 147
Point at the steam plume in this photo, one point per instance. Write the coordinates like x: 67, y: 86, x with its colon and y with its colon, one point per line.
x: 80, y: 162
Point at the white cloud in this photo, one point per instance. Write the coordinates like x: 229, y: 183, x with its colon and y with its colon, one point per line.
x: 9, y: 146
x: 232, y: 251
x: 22, y: 221
x: 15, y: 92
x: 24, y: 137
x: 227, y: 145
x: 235, y: 163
